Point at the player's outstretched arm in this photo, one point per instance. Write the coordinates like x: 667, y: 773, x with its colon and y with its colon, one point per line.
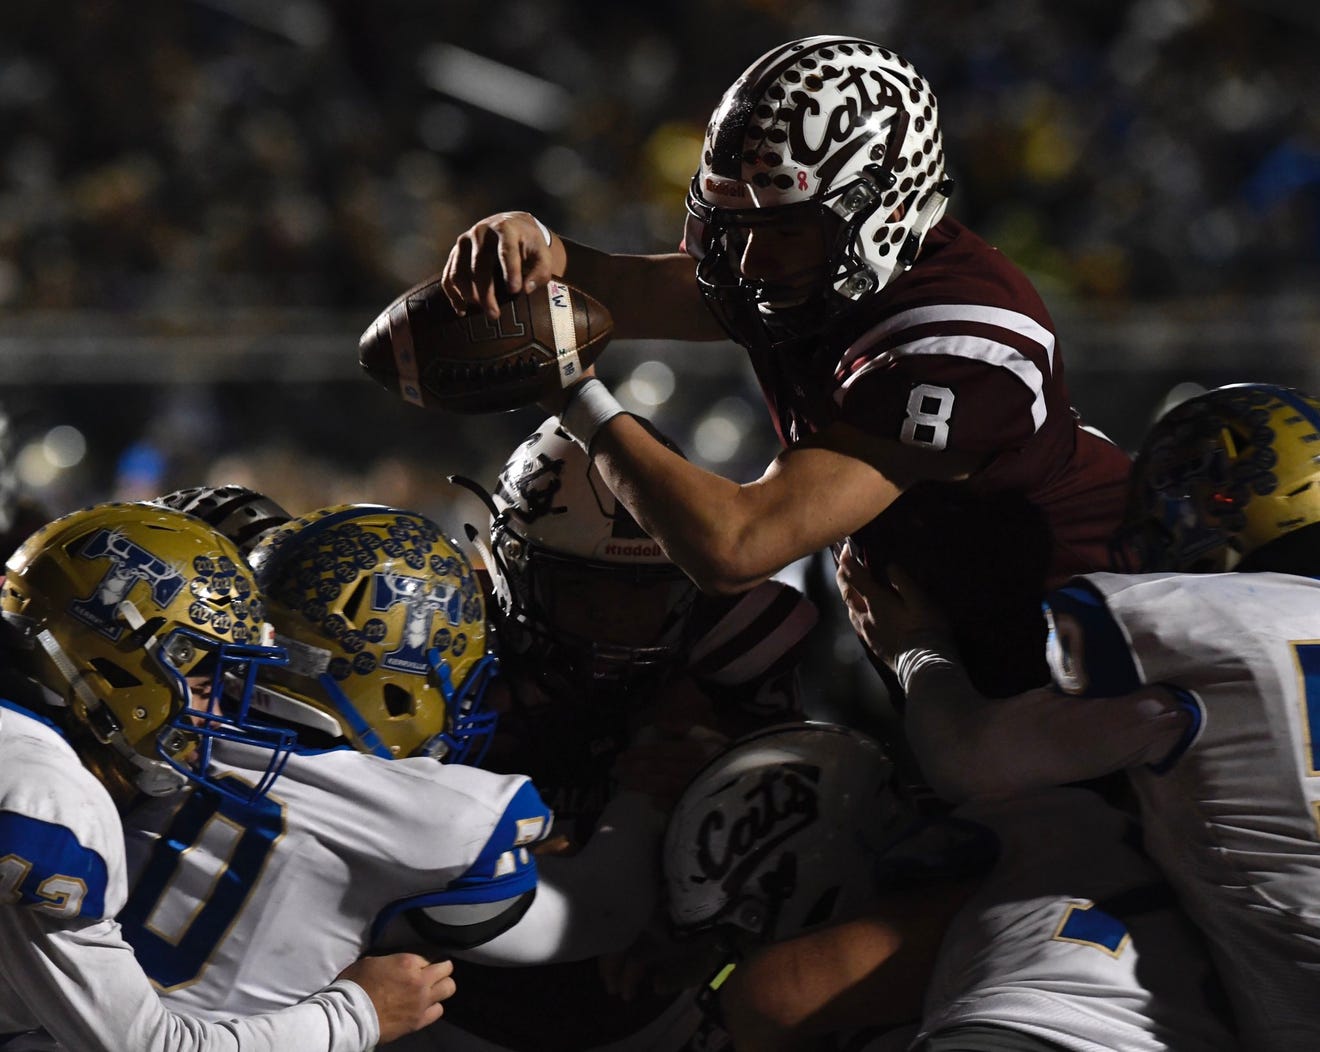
x: 969, y: 745
x: 871, y: 971
x: 405, y: 989
x: 82, y: 984
x: 727, y: 536
x: 649, y: 297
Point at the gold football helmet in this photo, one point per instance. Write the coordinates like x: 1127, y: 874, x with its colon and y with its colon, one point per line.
x: 121, y: 605
x: 1220, y: 476
x: 385, y: 625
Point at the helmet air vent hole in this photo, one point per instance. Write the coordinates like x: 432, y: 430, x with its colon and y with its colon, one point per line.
x: 118, y: 677
x: 398, y: 702
x: 356, y: 599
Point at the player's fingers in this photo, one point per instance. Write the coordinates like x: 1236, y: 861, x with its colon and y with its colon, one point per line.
x: 856, y: 586
x: 432, y: 1013
x: 485, y: 267
x: 456, y: 279
x: 913, y: 595
x: 410, y: 961
x: 438, y: 971
x: 511, y: 250
x: 444, y: 989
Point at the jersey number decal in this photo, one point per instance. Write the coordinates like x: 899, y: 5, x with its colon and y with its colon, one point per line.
x: 1308, y: 665
x: 176, y: 915
x: 1308, y: 670
x: 927, y: 422
x: 58, y: 894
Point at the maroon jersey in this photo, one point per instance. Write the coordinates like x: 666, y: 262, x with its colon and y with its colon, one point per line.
x: 959, y: 354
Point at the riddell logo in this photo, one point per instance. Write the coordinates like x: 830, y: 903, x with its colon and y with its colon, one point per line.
x: 726, y: 187
x: 651, y: 550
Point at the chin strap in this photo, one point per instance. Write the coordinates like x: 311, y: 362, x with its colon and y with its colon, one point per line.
x: 935, y: 203
x: 151, y: 777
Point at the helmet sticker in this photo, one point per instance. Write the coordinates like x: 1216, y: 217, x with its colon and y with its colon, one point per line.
x: 731, y: 844
x: 129, y: 564
x: 422, y: 600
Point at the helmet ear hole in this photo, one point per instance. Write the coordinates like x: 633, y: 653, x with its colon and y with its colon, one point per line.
x: 398, y: 702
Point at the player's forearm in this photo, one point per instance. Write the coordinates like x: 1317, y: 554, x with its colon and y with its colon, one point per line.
x: 700, y: 519
x: 871, y: 971
x: 649, y: 297
x: 972, y: 746
x: 86, y: 988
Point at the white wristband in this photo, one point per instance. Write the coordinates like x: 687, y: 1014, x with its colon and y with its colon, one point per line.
x: 589, y: 406
x: 545, y: 233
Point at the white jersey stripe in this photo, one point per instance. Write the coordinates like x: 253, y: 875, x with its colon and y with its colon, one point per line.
x: 756, y: 660
x: 974, y: 347
x: 1013, y: 321
x: 749, y: 607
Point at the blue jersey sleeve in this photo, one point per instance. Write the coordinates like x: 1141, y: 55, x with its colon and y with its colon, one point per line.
x: 43, y: 865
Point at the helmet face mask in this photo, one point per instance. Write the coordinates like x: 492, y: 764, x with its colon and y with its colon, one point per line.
x: 841, y: 129
x: 124, y: 605
x: 590, y: 607
x: 385, y: 625
x: 1220, y: 477
x: 587, y: 629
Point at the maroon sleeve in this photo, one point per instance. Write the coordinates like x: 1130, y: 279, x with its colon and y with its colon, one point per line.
x: 942, y: 401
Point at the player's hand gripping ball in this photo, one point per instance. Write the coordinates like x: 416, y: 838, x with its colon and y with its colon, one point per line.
x: 435, y: 358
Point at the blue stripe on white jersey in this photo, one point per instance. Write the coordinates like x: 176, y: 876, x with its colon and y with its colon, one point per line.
x: 1101, y: 651
x: 42, y: 864
x: 503, y: 870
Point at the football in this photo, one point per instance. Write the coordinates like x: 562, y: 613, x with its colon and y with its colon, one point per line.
x: 435, y: 358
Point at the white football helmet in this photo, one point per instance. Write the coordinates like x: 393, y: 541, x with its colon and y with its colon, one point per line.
x: 827, y: 129
x: 587, y: 600
x: 781, y: 833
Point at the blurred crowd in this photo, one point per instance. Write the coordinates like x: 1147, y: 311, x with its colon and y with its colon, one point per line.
x: 171, y: 169
x: 169, y: 155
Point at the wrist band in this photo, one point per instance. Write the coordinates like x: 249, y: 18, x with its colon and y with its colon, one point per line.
x: 545, y: 233
x: 589, y: 406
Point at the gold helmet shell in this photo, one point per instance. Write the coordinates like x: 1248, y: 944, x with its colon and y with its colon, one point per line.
x: 1222, y: 475
x: 120, y: 605
x: 385, y: 624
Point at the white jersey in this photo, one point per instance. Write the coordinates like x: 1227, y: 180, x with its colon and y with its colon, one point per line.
x: 67, y: 975
x: 1234, y: 817
x: 244, y: 908
x: 1073, y: 937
